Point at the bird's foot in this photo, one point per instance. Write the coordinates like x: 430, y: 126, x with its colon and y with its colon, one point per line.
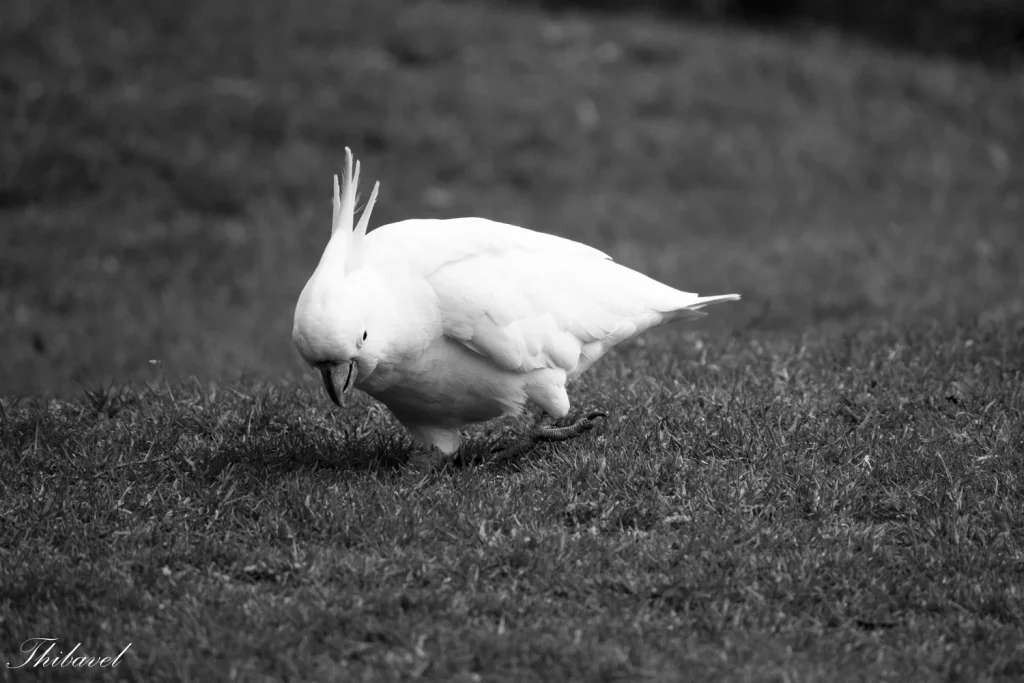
x: 430, y: 459
x: 426, y: 460
x: 544, y: 433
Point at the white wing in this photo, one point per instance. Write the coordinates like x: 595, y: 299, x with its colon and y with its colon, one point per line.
x: 428, y: 244
x: 529, y: 300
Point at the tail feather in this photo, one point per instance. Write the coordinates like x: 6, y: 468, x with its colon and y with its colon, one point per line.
x: 703, y: 301
x: 692, y: 309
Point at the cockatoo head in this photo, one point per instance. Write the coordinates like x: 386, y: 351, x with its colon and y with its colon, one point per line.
x: 333, y: 319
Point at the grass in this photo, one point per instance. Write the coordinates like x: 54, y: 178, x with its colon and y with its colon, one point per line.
x: 818, y: 483
x: 789, y: 511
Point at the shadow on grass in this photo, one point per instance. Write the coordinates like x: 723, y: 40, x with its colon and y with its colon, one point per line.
x: 386, y: 454
x: 374, y: 453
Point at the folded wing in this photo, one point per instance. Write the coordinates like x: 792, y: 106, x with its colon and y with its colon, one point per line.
x: 528, y: 300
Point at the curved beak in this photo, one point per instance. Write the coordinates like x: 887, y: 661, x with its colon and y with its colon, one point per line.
x: 338, y: 379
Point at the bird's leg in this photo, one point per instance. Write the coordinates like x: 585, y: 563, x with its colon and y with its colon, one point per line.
x: 433, y: 459
x: 478, y: 453
x: 544, y: 432
x: 429, y: 459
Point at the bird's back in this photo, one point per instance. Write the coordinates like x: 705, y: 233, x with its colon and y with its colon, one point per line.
x: 528, y: 300
x: 428, y: 244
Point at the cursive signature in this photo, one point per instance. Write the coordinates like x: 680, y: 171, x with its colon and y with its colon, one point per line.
x: 39, y: 653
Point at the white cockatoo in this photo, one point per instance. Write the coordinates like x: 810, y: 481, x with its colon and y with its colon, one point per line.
x: 453, y: 322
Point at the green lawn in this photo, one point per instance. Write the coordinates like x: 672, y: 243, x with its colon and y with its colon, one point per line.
x: 821, y: 482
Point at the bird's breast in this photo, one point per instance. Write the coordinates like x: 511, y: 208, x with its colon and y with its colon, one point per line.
x: 446, y: 385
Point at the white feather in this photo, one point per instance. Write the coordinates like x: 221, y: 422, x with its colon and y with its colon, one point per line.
x: 528, y: 300
x: 467, y: 319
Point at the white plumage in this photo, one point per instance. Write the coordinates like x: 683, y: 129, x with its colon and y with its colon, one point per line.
x: 451, y: 322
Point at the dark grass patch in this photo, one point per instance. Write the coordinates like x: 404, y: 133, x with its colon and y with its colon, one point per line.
x: 820, y: 507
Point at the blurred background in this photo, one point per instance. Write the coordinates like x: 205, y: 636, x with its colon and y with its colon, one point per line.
x: 166, y: 167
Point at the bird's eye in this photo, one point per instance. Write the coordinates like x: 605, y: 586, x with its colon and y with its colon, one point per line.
x: 364, y: 335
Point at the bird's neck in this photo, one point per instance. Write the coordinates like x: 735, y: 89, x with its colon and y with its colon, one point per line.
x: 404, y: 318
